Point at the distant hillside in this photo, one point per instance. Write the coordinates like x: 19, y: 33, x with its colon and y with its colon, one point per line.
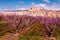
x: 34, y: 12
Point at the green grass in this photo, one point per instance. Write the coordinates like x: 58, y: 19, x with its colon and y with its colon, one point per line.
x: 31, y: 35
x: 57, y: 33
x: 34, y: 33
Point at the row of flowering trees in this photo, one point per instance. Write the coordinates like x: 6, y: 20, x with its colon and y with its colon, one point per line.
x: 49, y: 24
x: 19, y: 22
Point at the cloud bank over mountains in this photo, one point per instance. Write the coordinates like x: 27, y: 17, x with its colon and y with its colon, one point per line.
x: 47, y: 5
x: 41, y: 6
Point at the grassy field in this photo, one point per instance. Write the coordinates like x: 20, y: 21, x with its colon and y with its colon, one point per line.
x: 35, y: 33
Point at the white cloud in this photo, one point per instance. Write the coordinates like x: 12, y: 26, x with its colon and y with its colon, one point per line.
x: 32, y: 3
x: 53, y: 7
x: 47, y: 1
x: 41, y: 6
x: 23, y: 8
x: 5, y: 9
x: 48, y: 7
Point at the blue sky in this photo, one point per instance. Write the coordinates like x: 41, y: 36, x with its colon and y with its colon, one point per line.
x: 26, y: 4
